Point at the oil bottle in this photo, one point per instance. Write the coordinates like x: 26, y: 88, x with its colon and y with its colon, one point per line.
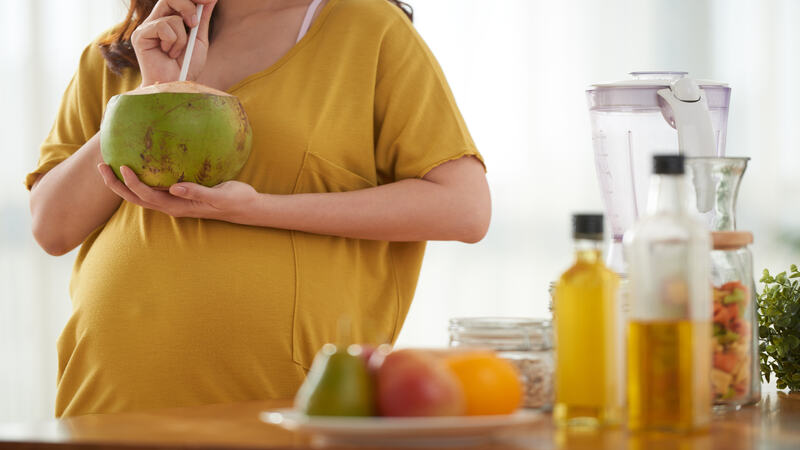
x: 588, y: 366
x: 669, y: 328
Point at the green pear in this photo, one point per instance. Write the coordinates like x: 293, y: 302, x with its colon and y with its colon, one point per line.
x: 338, y: 384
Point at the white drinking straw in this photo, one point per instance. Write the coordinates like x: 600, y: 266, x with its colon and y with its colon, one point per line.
x: 187, y: 58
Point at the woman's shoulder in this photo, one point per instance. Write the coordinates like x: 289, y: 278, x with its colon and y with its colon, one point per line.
x: 373, y: 15
x: 374, y: 10
x: 365, y: 24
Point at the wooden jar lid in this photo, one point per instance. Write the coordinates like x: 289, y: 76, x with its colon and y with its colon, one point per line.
x: 731, y: 240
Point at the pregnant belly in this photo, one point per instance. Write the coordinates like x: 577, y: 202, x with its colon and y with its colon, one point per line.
x: 178, y: 312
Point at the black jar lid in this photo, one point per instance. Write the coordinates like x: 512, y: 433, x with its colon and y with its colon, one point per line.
x: 587, y: 226
x: 668, y: 164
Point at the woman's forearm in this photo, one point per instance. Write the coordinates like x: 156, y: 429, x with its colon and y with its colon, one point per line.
x: 452, y: 203
x: 71, y: 200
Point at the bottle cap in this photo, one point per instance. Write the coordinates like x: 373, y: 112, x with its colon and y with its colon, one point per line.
x: 668, y: 164
x: 587, y: 226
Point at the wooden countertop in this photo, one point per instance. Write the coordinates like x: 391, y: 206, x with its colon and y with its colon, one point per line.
x: 772, y: 424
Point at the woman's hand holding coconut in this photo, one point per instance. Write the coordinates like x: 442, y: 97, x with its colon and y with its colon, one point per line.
x: 160, y: 43
x: 230, y: 201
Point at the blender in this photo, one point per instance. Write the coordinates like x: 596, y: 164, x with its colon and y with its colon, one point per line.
x: 651, y: 113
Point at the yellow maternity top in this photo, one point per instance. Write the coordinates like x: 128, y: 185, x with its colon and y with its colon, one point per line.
x: 177, y: 312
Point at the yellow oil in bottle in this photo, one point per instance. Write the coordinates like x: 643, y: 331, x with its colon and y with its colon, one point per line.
x: 669, y: 385
x: 588, y: 378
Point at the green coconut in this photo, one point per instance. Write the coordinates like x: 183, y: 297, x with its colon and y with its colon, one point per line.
x: 173, y: 132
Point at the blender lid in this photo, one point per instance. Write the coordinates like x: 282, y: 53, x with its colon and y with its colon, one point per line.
x: 658, y: 79
x: 641, y: 92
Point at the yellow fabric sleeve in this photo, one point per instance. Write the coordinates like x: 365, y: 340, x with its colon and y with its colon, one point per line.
x: 418, y: 125
x: 78, y: 117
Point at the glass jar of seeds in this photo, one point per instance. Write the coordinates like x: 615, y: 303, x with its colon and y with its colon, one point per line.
x: 525, y: 343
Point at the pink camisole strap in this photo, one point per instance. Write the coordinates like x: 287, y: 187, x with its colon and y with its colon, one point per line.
x: 312, y: 8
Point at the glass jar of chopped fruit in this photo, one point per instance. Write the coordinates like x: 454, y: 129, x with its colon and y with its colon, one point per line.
x: 735, y: 375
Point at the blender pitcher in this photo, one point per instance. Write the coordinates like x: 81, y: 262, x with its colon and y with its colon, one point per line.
x: 654, y: 112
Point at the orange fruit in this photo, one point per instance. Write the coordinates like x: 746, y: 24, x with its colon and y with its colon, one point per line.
x: 491, y: 385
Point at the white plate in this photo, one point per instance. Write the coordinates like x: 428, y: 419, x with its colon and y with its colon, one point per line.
x: 450, y: 431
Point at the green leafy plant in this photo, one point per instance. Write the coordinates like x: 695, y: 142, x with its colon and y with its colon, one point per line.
x: 779, y: 328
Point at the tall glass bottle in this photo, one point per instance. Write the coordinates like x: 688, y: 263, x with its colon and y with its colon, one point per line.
x: 588, y: 366
x: 669, y: 329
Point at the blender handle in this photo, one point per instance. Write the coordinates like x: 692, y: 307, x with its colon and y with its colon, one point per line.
x: 696, y: 136
x: 691, y: 116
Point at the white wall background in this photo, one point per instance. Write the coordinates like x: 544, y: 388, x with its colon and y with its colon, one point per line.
x: 519, y: 69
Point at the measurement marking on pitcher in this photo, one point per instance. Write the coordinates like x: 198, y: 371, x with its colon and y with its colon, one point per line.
x: 601, y: 163
x: 633, y: 177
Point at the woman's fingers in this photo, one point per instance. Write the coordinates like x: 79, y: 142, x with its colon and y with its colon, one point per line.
x: 192, y: 191
x: 187, y: 9
x: 179, y: 45
x: 167, y: 33
x: 138, y: 193
x: 160, y: 41
x: 205, y: 21
x: 142, y: 190
x: 118, y: 187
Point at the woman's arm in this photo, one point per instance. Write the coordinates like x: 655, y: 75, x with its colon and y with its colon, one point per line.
x: 71, y: 200
x: 451, y: 202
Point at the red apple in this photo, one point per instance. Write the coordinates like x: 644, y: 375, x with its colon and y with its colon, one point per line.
x: 416, y: 383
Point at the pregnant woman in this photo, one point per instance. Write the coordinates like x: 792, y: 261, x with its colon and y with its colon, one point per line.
x: 209, y: 295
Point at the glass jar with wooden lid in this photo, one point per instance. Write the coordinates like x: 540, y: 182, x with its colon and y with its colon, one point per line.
x: 735, y: 375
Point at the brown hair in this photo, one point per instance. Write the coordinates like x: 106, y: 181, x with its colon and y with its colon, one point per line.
x: 118, y: 51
